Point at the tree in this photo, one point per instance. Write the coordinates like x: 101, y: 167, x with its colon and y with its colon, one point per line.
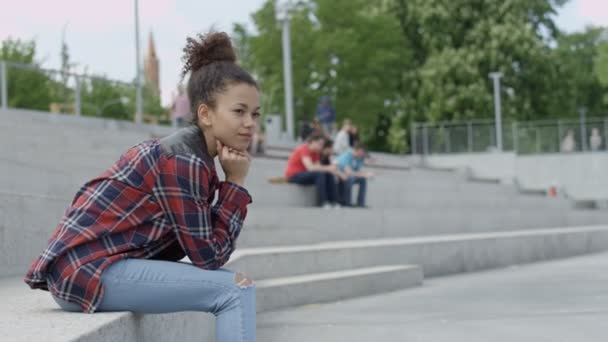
x: 424, y: 60
x: 576, y: 84
x: 105, y: 98
x: 28, y: 88
x: 601, y: 64
x: 327, y: 58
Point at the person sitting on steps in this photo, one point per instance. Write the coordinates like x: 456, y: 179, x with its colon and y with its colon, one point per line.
x: 119, y: 244
x: 350, y: 163
x: 304, y: 168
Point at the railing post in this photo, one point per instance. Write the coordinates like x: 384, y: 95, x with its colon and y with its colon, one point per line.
x: 425, y: 132
x: 448, y: 147
x: 413, y: 138
x: 583, y: 132
x: 515, y: 136
x: 77, y: 96
x: 605, y: 140
x: 470, y: 136
x: 560, y: 132
x: 3, y: 85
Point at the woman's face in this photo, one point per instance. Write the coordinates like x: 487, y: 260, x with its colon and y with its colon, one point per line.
x: 235, y: 117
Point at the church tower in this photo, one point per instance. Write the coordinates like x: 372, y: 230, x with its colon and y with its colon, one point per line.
x: 151, y: 66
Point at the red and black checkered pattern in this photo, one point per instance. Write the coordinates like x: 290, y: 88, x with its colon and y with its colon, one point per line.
x: 151, y: 205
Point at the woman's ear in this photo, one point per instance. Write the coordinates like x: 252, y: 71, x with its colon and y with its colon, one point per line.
x: 203, y: 114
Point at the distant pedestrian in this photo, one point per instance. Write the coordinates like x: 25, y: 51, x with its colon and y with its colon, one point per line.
x: 180, y: 110
x: 595, y: 141
x: 326, y: 115
x: 568, y: 144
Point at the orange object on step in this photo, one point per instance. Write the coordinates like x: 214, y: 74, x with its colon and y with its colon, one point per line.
x: 552, y: 191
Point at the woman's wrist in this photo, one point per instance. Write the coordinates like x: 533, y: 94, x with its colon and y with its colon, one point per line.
x: 237, y: 181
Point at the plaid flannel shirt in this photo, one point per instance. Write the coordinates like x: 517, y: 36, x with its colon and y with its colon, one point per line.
x: 154, y: 203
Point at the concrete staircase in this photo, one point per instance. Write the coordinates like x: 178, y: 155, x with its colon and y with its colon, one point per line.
x: 422, y: 223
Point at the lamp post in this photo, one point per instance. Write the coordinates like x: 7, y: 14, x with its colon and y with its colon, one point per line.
x: 3, y: 85
x: 495, y: 76
x: 139, y: 100
x: 282, y: 12
x: 582, y: 112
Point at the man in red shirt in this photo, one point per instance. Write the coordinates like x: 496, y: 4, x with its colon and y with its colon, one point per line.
x: 304, y: 168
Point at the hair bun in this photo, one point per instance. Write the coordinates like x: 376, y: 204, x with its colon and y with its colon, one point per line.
x: 206, y: 49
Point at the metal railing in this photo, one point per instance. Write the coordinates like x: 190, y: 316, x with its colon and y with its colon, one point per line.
x: 25, y: 86
x: 523, y: 137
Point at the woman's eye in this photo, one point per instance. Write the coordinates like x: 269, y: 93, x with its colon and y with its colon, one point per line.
x: 239, y: 111
x: 256, y: 115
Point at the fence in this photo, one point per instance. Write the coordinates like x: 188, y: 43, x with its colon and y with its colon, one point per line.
x: 523, y: 137
x: 25, y: 86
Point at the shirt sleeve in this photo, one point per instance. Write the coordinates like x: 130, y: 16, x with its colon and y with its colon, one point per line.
x: 206, y: 234
x: 341, y: 144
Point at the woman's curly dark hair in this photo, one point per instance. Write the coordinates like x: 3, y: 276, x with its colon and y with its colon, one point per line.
x: 211, y: 62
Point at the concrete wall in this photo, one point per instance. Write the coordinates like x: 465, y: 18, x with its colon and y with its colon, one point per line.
x: 582, y: 176
x: 29, y: 116
x: 481, y: 165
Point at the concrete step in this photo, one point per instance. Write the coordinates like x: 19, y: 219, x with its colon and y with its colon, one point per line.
x: 274, y: 294
x: 28, y: 118
x: 27, y: 220
x: 68, y: 138
x: 437, y: 255
x: 26, y: 223
x: 60, y: 179
x: 27, y: 315
x: 293, y: 226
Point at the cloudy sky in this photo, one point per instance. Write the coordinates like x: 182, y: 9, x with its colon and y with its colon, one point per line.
x: 100, y: 34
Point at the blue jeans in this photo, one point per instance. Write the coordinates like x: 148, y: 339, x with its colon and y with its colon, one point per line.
x: 328, y: 128
x: 324, y: 181
x: 157, y: 286
x: 346, y: 188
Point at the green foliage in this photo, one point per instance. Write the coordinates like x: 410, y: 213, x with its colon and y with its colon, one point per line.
x: 426, y: 60
x: 601, y: 67
x: 576, y: 83
x: 103, y: 98
x: 31, y: 88
x: 27, y: 88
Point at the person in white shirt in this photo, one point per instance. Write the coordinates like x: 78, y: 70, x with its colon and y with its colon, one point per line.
x: 595, y: 141
x: 569, y: 143
x: 342, y: 143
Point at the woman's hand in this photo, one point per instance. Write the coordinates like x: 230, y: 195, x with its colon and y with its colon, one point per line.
x: 234, y: 163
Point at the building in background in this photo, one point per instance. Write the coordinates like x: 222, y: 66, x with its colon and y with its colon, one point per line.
x: 151, y: 67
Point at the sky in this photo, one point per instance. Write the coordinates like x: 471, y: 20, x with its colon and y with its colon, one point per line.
x: 101, y: 34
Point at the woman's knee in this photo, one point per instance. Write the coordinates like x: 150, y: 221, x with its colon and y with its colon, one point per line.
x: 243, y: 281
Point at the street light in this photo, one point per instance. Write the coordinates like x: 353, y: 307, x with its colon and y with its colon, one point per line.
x: 582, y: 112
x: 282, y: 12
x: 139, y: 100
x: 495, y: 76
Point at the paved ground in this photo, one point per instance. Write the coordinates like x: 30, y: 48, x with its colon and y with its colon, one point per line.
x: 555, y: 301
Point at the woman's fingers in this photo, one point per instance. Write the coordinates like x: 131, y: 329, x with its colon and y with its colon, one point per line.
x: 225, y: 152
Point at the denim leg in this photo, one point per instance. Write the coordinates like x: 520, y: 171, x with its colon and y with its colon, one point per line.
x: 341, y: 186
x: 157, y: 286
x: 312, y: 178
x: 362, y: 181
x: 347, y: 193
x: 331, y: 187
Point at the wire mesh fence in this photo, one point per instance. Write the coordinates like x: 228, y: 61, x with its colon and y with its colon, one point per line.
x: 24, y: 86
x: 527, y: 137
